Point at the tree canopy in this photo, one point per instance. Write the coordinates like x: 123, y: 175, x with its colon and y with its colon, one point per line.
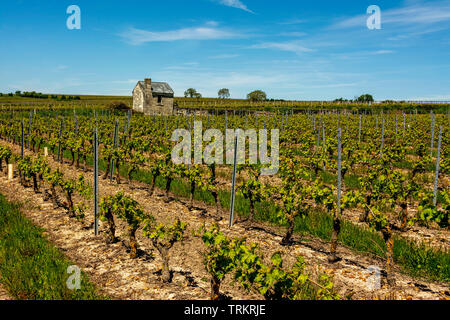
x: 224, y: 93
x: 192, y: 93
x: 365, y: 98
x: 257, y: 95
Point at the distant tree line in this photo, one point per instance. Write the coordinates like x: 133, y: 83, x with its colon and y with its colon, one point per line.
x: 39, y: 95
x: 363, y: 98
x: 224, y: 93
x: 259, y: 95
x: 67, y: 98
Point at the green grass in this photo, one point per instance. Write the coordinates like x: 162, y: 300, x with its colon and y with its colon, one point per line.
x: 30, y: 266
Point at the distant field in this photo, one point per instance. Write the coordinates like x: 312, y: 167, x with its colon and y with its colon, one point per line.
x: 98, y: 101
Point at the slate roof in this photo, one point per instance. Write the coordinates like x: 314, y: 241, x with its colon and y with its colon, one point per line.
x: 159, y: 88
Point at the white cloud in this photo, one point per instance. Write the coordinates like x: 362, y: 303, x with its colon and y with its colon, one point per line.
x: 291, y: 46
x: 332, y: 85
x: 235, y: 4
x: 277, y: 80
x: 225, y: 56
x: 138, y: 36
x: 414, y: 14
x: 292, y: 34
x: 212, y: 23
x: 412, y: 34
x: 383, y: 52
x: 129, y: 81
x: 293, y: 21
x: 431, y: 98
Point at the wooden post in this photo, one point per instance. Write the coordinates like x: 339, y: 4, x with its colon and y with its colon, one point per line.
x: 10, y: 171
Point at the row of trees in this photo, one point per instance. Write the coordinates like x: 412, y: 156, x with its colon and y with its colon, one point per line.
x: 363, y: 98
x: 259, y: 95
x: 224, y: 93
x: 39, y: 95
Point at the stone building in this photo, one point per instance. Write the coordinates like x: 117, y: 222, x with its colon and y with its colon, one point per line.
x: 153, y: 98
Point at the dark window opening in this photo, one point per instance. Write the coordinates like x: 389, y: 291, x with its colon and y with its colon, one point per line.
x: 159, y: 99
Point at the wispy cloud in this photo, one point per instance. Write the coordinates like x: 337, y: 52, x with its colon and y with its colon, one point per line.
x: 382, y: 52
x: 413, y: 34
x: 235, y: 4
x: 225, y: 56
x: 138, y: 36
x: 291, y: 46
x: 292, y: 34
x: 423, y: 13
x: 293, y: 21
x: 212, y: 23
x: 445, y: 97
x: 129, y: 81
x: 60, y: 68
x: 332, y: 85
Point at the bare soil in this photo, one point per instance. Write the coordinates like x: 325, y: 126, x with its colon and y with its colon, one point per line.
x: 3, y: 293
x: 110, y: 267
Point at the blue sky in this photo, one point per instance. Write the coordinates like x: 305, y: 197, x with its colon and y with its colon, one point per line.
x: 303, y: 50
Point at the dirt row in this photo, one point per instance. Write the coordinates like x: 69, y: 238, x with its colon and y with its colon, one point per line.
x: 120, y: 277
x: 433, y: 235
x: 3, y: 293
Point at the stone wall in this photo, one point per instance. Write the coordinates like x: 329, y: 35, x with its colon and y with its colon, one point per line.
x: 138, y: 100
x: 145, y: 102
x: 165, y: 107
x: 185, y: 111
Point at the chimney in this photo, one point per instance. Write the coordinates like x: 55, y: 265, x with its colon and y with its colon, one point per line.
x: 148, y: 83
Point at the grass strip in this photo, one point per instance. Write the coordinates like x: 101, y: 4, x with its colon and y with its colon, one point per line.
x: 31, y: 267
